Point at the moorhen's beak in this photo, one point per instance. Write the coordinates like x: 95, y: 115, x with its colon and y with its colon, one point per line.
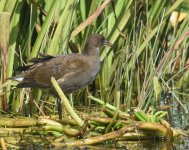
x: 108, y: 43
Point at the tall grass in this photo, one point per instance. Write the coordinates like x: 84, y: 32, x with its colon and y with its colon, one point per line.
x: 147, y: 47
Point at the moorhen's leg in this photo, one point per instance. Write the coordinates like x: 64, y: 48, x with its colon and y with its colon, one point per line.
x: 59, y: 108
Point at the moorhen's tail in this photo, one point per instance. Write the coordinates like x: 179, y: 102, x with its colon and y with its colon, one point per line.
x: 26, y: 82
x: 16, y: 78
x: 23, y: 79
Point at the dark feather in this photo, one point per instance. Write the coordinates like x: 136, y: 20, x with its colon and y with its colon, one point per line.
x: 41, y: 59
x: 29, y: 82
x: 23, y: 68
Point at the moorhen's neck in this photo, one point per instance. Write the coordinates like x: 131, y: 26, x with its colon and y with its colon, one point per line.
x: 91, y: 50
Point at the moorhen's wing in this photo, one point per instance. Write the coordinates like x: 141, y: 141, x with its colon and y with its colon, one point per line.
x: 42, y: 58
x: 39, y: 75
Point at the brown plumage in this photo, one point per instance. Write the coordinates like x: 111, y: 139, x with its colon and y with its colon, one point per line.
x: 72, y: 71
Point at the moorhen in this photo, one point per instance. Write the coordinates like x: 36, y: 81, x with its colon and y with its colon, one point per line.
x: 72, y: 72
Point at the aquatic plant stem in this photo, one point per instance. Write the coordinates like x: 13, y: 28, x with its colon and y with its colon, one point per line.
x: 67, y: 105
x: 117, y: 97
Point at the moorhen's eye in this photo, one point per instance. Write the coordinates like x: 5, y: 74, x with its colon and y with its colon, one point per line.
x: 102, y: 39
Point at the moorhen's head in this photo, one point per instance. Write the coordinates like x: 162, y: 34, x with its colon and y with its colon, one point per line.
x: 96, y: 41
